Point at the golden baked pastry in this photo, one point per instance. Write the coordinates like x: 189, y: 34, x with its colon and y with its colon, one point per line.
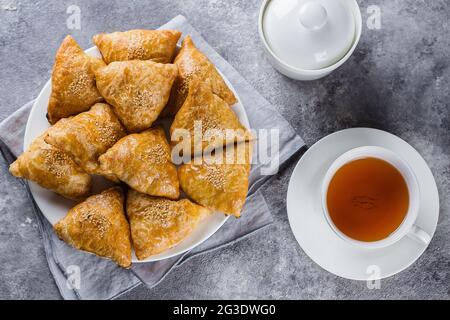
x: 98, y: 225
x: 87, y: 135
x: 138, y: 90
x: 156, y: 45
x: 52, y: 169
x: 158, y: 224
x: 209, y: 120
x: 221, y: 182
x: 143, y: 161
x: 191, y: 64
x: 73, y: 81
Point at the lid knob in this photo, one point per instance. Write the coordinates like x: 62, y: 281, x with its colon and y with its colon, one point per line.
x: 313, y: 15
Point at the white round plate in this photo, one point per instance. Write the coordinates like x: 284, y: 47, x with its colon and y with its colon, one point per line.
x: 309, y: 225
x: 55, y: 207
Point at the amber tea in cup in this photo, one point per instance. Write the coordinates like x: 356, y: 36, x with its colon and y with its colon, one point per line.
x: 367, y: 199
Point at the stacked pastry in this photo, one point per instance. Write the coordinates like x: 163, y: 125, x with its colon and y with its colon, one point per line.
x: 103, y: 113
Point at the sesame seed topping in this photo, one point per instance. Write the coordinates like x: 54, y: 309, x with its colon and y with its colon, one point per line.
x: 183, y: 87
x: 135, y: 48
x: 143, y: 98
x: 208, y: 123
x: 194, y: 69
x: 161, y: 211
x: 210, y: 126
x: 56, y: 161
x: 136, y: 52
x: 157, y: 154
x: 107, y: 132
x: 79, y: 84
x: 96, y: 219
x: 215, y: 176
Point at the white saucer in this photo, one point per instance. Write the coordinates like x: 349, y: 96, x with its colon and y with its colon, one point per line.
x: 317, y: 239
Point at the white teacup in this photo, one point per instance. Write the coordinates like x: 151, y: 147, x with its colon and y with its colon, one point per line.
x: 407, y: 227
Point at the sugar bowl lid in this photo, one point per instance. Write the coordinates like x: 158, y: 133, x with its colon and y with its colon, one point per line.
x: 309, y: 34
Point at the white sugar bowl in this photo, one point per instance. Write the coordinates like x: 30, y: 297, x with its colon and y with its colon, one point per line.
x: 308, y: 39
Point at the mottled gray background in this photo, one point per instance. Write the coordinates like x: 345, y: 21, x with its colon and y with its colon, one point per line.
x: 397, y: 80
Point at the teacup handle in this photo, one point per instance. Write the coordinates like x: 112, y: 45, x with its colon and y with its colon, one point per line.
x: 419, y: 235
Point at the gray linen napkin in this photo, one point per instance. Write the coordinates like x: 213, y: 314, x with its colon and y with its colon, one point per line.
x: 101, y: 278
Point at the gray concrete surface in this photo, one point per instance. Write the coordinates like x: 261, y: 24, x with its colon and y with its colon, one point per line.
x: 397, y: 80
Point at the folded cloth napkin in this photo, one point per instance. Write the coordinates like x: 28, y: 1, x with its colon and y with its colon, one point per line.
x: 101, y: 278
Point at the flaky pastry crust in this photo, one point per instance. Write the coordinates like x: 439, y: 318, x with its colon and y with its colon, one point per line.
x: 192, y: 63
x: 98, y: 225
x: 143, y: 161
x: 52, y: 169
x: 137, y: 90
x: 73, y: 81
x: 158, y: 224
x: 217, y: 183
x: 87, y: 135
x: 156, y: 45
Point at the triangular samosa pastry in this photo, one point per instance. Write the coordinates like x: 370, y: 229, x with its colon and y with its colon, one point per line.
x: 98, y: 225
x: 73, y: 81
x: 209, y: 120
x: 219, y: 182
x: 137, y: 90
x: 52, y: 169
x: 87, y: 135
x: 191, y: 64
x: 155, y: 45
x: 143, y: 161
x: 158, y: 224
